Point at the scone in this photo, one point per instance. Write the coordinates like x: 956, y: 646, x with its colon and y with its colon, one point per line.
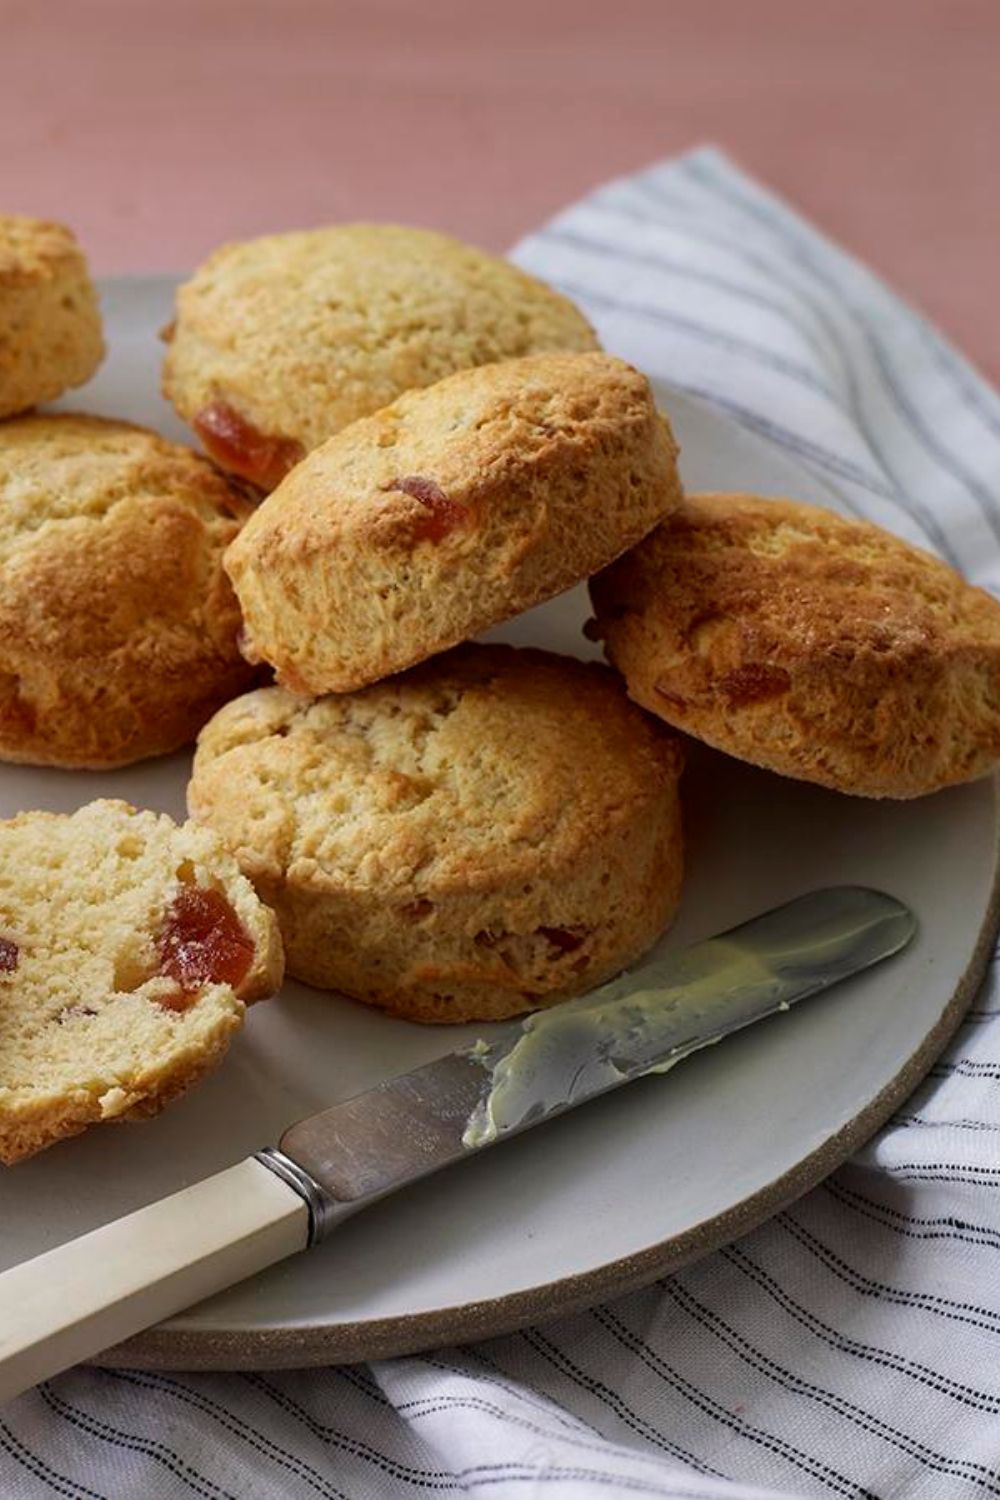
x: 486, y: 834
x: 50, y: 325
x: 118, y: 626
x: 129, y: 947
x: 820, y: 648
x: 455, y: 508
x: 280, y: 342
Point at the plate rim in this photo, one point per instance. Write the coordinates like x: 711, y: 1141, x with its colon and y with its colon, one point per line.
x: 320, y: 1343
x: 312, y: 1344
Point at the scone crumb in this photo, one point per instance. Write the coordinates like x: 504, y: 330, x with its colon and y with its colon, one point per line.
x: 89, y: 1025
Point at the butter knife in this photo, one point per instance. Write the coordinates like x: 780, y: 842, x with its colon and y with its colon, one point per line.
x: 70, y: 1303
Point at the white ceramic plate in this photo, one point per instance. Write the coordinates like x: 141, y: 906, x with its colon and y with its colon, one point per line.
x: 615, y: 1193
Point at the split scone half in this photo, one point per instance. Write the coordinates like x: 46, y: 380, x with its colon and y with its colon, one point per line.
x: 129, y: 948
x: 50, y: 324
x: 486, y: 834
x: 821, y: 648
x: 455, y: 508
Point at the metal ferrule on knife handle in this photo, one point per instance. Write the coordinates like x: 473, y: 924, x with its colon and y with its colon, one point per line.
x: 324, y: 1211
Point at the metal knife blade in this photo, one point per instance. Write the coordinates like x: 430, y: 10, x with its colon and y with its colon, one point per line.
x: 523, y: 1073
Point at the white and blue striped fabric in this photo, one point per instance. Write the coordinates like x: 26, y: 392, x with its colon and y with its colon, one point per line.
x: 851, y: 1347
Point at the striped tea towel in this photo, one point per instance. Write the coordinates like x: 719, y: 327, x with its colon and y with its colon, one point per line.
x: 851, y: 1347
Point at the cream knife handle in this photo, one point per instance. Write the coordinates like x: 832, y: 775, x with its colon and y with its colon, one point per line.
x: 70, y: 1303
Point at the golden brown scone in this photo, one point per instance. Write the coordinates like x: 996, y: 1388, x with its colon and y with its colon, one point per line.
x: 50, y: 325
x: 129, y: 947
x: 118, y: 626
x: 820, y: 648
x: 486, y: 834
x: 280, y: 342
x: 454, y: 509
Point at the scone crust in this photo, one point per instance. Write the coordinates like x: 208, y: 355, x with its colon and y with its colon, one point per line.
x: 50, y: 323
x: 118, y: 626
x: 818, y: 647
x: 301, y: 334
x: 87, y: 1029
x: 455, y: 508
x: 486, y: 834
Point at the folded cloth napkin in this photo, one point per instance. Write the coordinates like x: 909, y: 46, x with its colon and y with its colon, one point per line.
x: 850, y: 1347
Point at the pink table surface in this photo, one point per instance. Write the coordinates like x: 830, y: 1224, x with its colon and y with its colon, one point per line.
x: 159, y: 129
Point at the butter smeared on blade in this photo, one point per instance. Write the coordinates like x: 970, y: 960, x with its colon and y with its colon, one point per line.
x: 648, y: 1021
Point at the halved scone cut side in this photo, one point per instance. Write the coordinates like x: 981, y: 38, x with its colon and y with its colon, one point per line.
x: 129, y: 949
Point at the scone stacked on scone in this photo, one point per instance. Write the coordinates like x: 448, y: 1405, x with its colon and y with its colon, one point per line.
x: 129, y: 947
x: 821, y: 648
x: 491, y: 830
x: 449, y: 511
x: 488, y: 833
x: 118, y: 626
x: 280, y: 342
x: 50, y: 326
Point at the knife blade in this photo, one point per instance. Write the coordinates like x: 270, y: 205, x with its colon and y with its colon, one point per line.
x: 75, y: 1300
x: 521, y: 1074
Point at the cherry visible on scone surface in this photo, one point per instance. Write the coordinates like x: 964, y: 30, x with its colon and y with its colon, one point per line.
x: 237, y: 445
x: 442, y: 514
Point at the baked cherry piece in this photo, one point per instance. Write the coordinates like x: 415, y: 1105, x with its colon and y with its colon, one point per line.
x: 114, y: 924
x: 442, y: 514
x: 560, y: 938
x: 237, y: 445
x: 203, y: 941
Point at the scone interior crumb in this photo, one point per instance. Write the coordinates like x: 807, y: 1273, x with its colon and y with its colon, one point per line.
x: 99, y: 1016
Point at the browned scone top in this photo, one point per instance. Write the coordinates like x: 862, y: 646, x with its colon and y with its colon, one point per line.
x: 280, y: 342
x: 118, y: 626
x: 488, y: 833
x: 449, y: 511
x: 821, y: 648
x: 50, y: 325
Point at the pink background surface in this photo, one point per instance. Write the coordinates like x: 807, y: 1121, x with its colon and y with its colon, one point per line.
x: 159, y: 129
